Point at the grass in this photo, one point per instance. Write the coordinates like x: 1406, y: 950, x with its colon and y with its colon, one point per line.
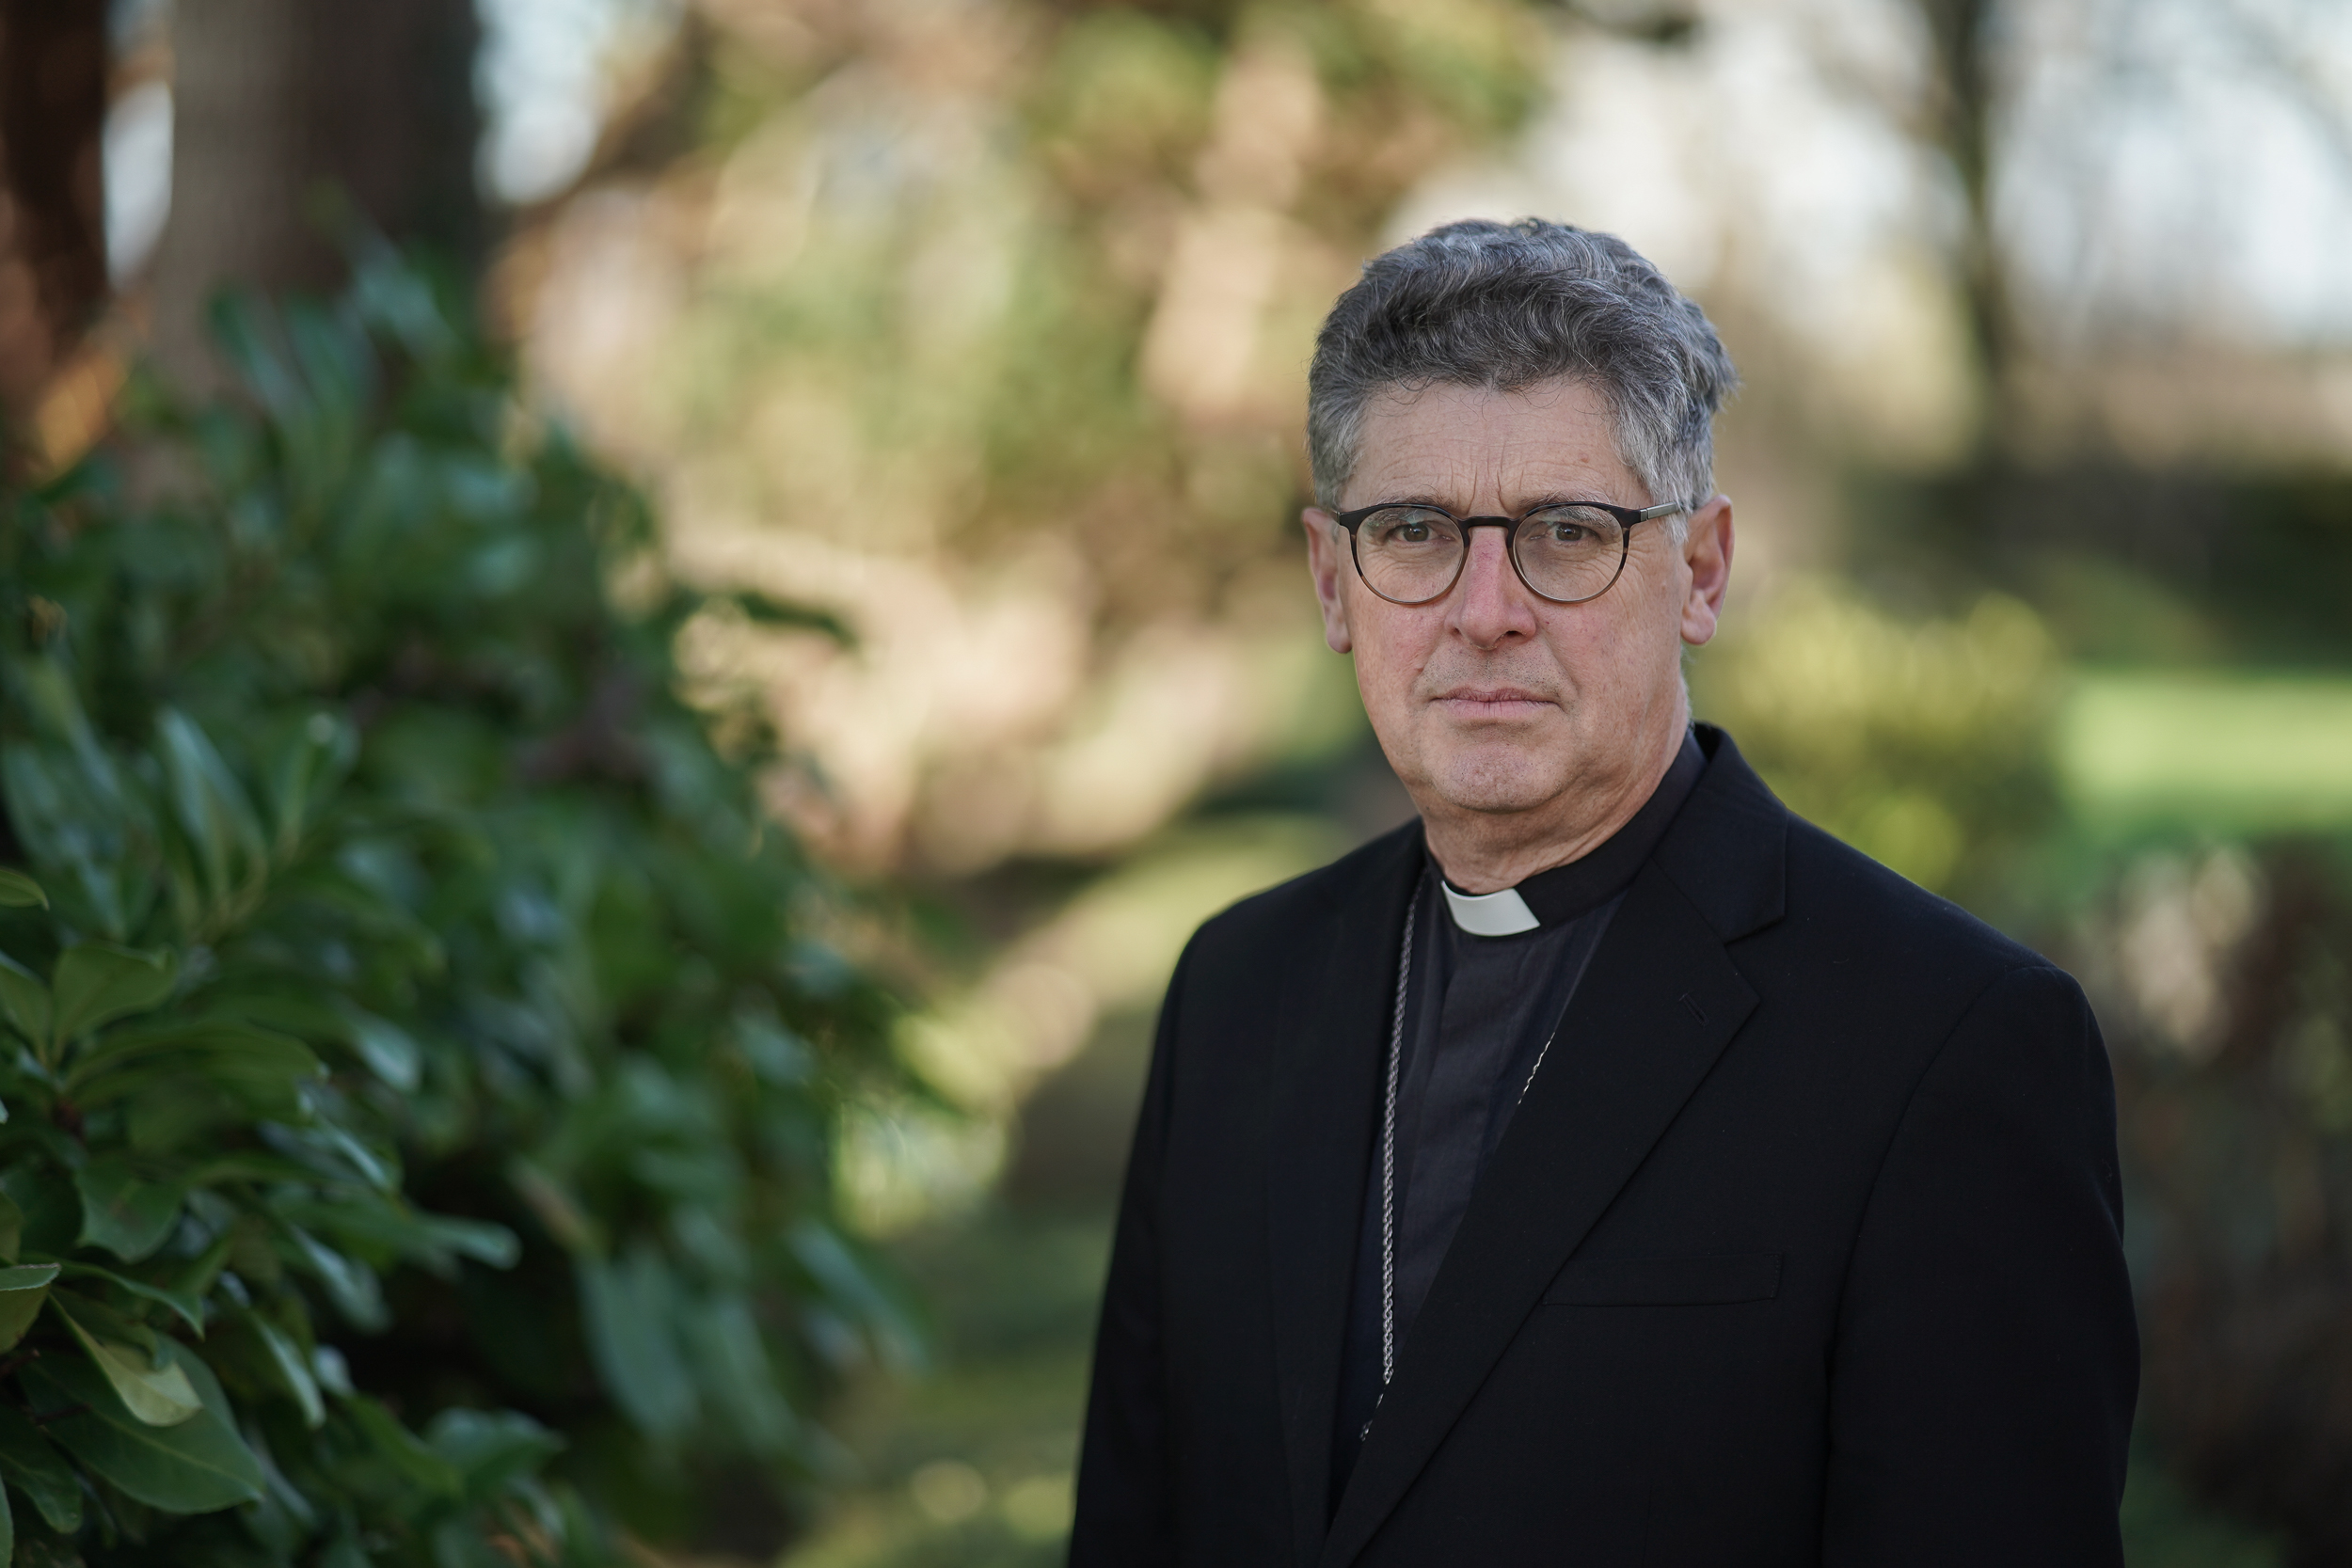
x: 971, y: 1466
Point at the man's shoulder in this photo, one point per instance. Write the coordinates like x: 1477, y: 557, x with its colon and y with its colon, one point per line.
x: 1844, y: 901
x: 1755, y: 870
x: 1267, y: 926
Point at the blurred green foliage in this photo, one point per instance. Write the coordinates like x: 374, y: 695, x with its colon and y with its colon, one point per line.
x: 974, y: 1467
x: 2227, y: 998
x: 1925, y: 742
x: 422, y: 1059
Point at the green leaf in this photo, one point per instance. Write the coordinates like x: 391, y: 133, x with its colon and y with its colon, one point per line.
x: 383, y: 1225
x: 35, y: 1468
x: 257, y: 1065
x: 491, y: 1451
x: 188, y: 1303
x: 480, y: 1239
x: 12, y: 1228
x: 737, y: 1375
x: 630, y: 1309
x: 212, y: 806
x: 344, y: 1551
x: 194, y: 1468
x: 23, y: 1289
x: 49, y: 1209
x: 102, y: 1318
x: 123, y: 1212
x: 18, y: 892
x: 68, y: 802
x: 97, y: 981
x: 251, y: 1165
x: 285, y: 1517
x: 152, y: 1389
x: 177, y: 1113
x: 384, y: 1046
x: 25, y: 1001
x: 334, y: 1154
x: 8, y: 1528
x: 319, y: 751
x: 351, y: 1285
x: 403, y: 1450
x: 292, y: 1366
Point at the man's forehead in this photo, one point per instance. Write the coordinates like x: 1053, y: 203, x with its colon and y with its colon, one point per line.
x: 1526, y: 443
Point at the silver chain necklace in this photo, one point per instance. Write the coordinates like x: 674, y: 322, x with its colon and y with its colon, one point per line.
x: 1388, y: 1151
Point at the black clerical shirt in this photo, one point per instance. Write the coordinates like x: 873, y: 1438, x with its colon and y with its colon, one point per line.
x: 1480, y: 1012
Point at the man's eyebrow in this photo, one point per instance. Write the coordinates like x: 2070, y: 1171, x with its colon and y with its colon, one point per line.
x: 1562, y: 498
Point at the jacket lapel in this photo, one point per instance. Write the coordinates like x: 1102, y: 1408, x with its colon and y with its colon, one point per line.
x: 1330, y: 1034
x: 1656, y: 1008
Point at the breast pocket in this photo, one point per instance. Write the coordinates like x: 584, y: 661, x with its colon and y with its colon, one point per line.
x: 1666, y: 1281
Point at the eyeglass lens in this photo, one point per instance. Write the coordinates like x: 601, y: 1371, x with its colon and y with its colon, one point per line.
x: 1413, y: 553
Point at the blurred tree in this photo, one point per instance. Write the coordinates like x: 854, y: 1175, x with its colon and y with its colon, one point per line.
x: 53, y: 238
x: 1959, y: 121
x: 287, y: 109
x: 1004, y: 312
x: 2223, y: 984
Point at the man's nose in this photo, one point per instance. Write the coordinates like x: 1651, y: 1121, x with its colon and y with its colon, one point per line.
x: 1490, y: 603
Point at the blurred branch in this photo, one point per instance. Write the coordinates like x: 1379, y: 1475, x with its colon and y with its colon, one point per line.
x: 1666, y: 26
x: 1960, y: 126
x: 2321, y: 99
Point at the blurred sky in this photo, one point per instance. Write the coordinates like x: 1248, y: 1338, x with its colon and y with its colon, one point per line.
x: 545, y: 76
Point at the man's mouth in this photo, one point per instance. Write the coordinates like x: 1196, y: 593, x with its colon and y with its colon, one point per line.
x: 1491, y: 702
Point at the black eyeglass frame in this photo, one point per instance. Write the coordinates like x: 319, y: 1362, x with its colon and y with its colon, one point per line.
x: 1628, y: 519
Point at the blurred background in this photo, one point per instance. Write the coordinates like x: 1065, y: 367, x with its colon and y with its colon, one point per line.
x: 955, y: 351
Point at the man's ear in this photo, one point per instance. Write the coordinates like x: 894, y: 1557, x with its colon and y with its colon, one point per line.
x: 1707, y: 549
x: 1327, y: 557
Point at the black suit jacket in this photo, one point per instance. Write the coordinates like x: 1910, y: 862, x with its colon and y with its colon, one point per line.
x: 1803, y: 1248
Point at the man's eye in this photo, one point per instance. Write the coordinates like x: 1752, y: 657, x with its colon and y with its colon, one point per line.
x: 1572, y: 528
x: 1397, y: 530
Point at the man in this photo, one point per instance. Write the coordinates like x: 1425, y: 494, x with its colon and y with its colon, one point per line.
x: 1608, y: 1168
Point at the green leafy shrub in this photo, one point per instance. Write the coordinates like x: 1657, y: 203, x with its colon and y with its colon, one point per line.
x: 1923, y: 742
x: 422, y: 1059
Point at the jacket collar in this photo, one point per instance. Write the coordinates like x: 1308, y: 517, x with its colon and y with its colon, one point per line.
x: 1661, y: 979
x: 1565, y: 893
x: 1727, y: 850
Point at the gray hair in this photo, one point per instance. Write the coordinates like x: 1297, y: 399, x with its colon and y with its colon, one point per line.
x: 1508, y: 307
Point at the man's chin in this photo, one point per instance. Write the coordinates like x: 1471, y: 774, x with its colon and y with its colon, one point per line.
x: 1498, y: 786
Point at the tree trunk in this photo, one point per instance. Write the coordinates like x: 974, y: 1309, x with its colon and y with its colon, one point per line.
x: 285, y: 110
x: 1961, y: 32
x: 52, y: 225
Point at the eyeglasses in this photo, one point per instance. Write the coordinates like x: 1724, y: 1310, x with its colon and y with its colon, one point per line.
x: 1569, y: 551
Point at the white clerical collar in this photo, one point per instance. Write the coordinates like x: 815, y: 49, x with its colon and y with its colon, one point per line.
x: 1489, y: 914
